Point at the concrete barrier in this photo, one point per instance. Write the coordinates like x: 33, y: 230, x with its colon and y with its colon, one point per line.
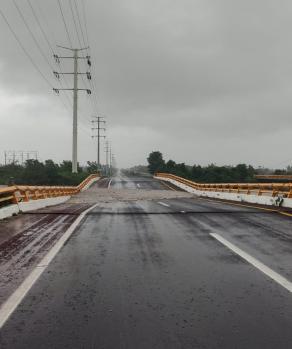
x: 240, y: 197
x: 24, y: 206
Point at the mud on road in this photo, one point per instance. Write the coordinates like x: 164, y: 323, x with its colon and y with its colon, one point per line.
x: 26, y: 238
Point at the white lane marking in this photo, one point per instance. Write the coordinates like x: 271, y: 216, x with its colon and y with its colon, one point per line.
x: 109, y: 183
x: 138, y: 185
x: 256, y: 263
x: 182, y: 211
x: 163, y: 204
x: 9, y: 306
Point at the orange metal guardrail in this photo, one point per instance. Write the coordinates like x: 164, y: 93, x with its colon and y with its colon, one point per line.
x: 269, y: 189
x: 21, y: 193
x: 275, y: 177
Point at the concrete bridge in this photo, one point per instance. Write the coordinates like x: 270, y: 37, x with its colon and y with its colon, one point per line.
x: 146, y: 263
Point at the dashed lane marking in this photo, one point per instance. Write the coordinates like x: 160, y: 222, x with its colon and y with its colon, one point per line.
x: 163, y: 204
x: 256, y: 263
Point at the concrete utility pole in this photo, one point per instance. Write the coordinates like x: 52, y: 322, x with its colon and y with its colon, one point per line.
x: 75, y: 90
x: 75, y: 120
x: 107, y: 150
x: 98, y: 120
x: 112, y: 162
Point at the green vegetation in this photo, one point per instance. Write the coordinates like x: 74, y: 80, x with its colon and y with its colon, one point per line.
x: 35, y: 172
x: 208, y: 174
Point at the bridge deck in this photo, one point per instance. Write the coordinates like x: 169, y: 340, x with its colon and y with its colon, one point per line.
x: 148, y: 272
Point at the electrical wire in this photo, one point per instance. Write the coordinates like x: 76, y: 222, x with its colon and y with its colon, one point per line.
x: 24, y: 49
x: 65, y: 24
x: 80, y: 44
x: 86, y: 44
x: 80, y: 26
x: 41, y: 27
x: 48, y: 42
x: 36, y: 41
x: 26, y: 52
x: 95, y: 95
x: 32, y: 35
x: 66, y: 28
x: 46, y: 38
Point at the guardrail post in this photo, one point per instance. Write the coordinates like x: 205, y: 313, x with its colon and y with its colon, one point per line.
x: 25, y: 195
x: 15, y: 198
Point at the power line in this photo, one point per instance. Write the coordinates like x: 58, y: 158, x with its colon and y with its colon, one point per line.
x: 68, y: 34
x: 85, y: 23
x: 82, y: 35
x: 79, y: 21
x: 48, y: 42
x: 64, y: 21
x: 32, y: 35
x: 90, y: 53
x: 40, y: 26
x: 32, y: 61
x: 79, y: 41
x: 74, y: 22
x: 44, y: 19
x: 86, y: 43
x: 28, y: 55
x: 24, y: 50
x: 47, y: 39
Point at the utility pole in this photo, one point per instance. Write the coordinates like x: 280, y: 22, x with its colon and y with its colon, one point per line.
x: 107, y: 150
x: 112, y: 162
x: 98, y: 120
x: 75, y: 90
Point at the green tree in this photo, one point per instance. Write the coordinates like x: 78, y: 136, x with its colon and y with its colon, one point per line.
x: 34, y: 173
x: 170, y: 166
x: 66, y: 166
x: 207, y: 174
x: 182, y: 170
x: 52, y: 172
x: 155, y: 162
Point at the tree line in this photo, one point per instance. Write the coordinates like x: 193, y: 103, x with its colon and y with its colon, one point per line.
x: 34, y: 172
x: 207, y: 174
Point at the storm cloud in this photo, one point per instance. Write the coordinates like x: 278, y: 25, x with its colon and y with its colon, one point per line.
x: 203, y: 81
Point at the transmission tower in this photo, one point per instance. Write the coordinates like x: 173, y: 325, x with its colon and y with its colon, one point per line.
x: 19, y: 156
x: 75, y: 90
x: 98, y: 120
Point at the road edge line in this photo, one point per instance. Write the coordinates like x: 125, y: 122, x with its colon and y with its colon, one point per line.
x: 167, y: 186
x: 13, y: 301
x: 246, y: 205
x: 281, y: 280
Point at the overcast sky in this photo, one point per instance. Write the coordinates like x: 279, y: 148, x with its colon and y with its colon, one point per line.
x: 203, y: 81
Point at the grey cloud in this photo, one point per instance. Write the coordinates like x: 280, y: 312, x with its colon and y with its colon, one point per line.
x: 189, y: 74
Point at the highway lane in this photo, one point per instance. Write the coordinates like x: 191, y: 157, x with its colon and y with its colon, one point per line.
x: 149, y: 274
x: 122, y: 182
x: 26, y: 238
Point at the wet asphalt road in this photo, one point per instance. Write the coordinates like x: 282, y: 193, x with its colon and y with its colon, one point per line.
x: 148, y: 274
